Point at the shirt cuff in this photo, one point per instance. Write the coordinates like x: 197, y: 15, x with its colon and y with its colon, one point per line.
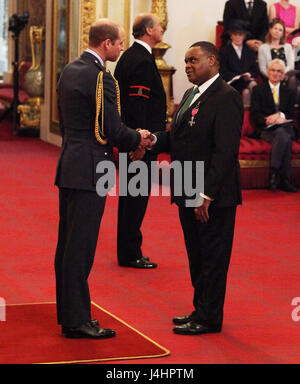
x: 206, y: 197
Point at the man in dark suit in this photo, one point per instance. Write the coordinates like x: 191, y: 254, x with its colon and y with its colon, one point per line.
x: 91, y: 126
x: 143, y: 102
x: 206, y: 128
x: 272, y: 112
x: 254, y: 12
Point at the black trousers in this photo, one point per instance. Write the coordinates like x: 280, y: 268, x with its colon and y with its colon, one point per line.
x: 209, y: 249
x: 281, y: 154
x: 131, y: 213
x: 80, y: 214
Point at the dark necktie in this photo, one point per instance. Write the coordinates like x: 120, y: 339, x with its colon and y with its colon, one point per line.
x: 187, y: 103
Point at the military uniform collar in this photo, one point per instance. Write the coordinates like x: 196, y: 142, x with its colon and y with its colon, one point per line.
x: 96, y: 55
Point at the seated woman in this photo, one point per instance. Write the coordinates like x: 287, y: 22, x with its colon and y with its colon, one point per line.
x: 238, y: 62
x: 276, y: 48
x: 287, y: 12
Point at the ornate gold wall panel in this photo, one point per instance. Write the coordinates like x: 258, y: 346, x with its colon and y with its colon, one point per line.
x: 88, y: 16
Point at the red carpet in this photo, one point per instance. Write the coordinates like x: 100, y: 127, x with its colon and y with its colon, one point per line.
x: 28, y: 336
x: 264, y: 274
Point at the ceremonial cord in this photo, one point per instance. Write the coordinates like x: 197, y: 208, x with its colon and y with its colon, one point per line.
x: 100, y: 136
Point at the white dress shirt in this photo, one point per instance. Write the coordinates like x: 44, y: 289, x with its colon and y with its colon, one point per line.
x: 203, y: 87
x: 277, y: 86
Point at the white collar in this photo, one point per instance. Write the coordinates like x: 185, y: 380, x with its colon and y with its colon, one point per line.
x: 237, y: 48
x: 203, y: 87
x: 144, y: 44
x: 276, y: 86
x: 96, y: 55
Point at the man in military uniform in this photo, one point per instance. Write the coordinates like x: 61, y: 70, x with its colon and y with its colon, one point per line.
x: 91, y: 125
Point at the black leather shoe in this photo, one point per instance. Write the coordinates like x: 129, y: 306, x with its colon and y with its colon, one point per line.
x: 88, y: 331
x: 146, y: 258
x: 193, y: 328
x: 140, y: 263
x: 286, y: 186
x: 273, y: 181
x: 94, y: 323
x: 179, y: 320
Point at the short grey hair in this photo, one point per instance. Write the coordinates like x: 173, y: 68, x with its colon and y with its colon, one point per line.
x: 277, y: 61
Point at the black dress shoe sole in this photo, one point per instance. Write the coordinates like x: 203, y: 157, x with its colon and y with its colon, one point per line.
x: 140, y: 266
x: 192, y: 328
x: 193, y: 333
x: 81, y: 335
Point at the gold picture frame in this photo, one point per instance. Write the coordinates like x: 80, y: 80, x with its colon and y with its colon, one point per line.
x: 60, y: 56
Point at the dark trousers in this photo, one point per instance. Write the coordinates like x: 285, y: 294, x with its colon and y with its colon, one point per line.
x: 209, y: 249
x: 80, y: 214
x: 281, y: 154
x: 131, y: 213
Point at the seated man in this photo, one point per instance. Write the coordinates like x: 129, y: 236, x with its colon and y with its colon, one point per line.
x: 272, y: 112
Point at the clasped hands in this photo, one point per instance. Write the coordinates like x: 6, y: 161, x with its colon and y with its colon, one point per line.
x: 274, y: 119
x: 146, y: 142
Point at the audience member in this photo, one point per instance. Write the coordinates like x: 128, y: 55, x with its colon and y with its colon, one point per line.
x: 252, y: 11
x: 238, y: 62
x: 272, y: 112
x: 275, y: 47
x: 287, y: 12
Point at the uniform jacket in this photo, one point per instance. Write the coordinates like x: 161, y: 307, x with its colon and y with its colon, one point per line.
x: 81, y: 152
x: 214, y: 139
x: 143, y: 97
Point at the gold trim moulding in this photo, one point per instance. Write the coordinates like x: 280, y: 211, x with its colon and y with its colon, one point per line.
x: 263, y: 163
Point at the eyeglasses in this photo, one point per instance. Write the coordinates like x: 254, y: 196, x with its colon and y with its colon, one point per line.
x: 276, y: 70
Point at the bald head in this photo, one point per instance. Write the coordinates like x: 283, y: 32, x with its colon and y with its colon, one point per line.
x: 102, y: 30
x: 141, y: 23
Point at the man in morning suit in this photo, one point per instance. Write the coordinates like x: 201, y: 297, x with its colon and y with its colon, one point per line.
x: 206, y: 128
x: 143, y: 102
x: 272, y: 104
x: 91, y: 126
x: 254, y: 12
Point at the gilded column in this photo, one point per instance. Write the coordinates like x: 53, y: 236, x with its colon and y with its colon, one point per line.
x: 159, y: 8
x: 88, y: 17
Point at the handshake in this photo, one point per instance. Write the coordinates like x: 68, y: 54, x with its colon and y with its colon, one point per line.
x: 147, y: 141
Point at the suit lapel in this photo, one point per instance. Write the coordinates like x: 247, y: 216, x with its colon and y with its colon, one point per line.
x: 198, y: 102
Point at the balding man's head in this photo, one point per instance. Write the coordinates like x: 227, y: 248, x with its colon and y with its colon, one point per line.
x: 147, y: 27
x: 141, y: 23
x: 102, y: 30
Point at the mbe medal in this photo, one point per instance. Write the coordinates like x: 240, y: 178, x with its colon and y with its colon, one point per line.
x: 194, y: 113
